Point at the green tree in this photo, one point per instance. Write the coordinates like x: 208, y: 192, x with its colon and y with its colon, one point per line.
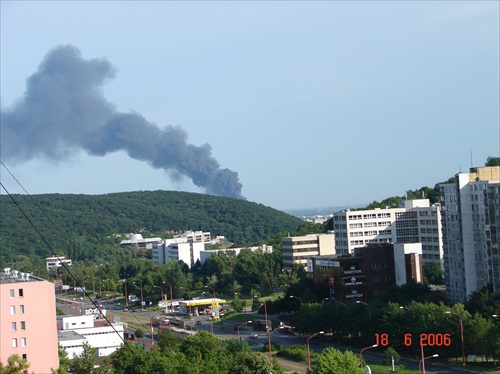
x: 332, y: 361
x: 168, y: 341
x: 135, y: 360
x: 84, y: 363
x: 15, y: 365
x: 237, y: 303
x: 389, y: 355
x: 433, y: 272
x: 247, y: 362
x: 492, y: 161
x: 64, y: 361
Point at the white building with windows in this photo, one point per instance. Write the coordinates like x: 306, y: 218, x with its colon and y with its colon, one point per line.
x: 470, y: 208
x: 73, y: 331
x: 297, y: 249
x: 415, y: 222
x: 56, y: 262
x: 177, y: 250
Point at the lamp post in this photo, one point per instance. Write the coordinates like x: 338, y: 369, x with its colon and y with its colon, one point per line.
x: 369, y: 309
x: 243, y: 324
x: 126, y: 293
x: 213, y: 300
x: 421, y: 363
x: 171, y: 297
x: 298, y: 298
x: 161, y: 289
x: 309, y: 349
x: 142, y: 300
x: 190, y: 312
x: 461, y: 335
x: 361, y: 354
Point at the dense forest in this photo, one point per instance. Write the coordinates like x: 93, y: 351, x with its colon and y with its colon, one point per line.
x: 76, y: 224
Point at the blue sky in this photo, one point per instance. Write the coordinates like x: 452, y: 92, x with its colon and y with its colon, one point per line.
x: 325, y: 103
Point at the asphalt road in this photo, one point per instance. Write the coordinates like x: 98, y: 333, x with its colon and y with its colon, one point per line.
x: 73, y: 306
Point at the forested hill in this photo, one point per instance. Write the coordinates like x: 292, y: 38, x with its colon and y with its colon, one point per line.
x: 89, y: 217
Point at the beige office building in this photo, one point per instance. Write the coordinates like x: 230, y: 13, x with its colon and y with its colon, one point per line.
x: 297, y: 249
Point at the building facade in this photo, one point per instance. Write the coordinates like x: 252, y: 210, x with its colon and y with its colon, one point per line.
x: 297, y: 249
x: 470, y: 210
x: 177, y: 250
x: 28, y: 321
x: 56, y: 262
x: 415, y: 222
x: 99, y: 334
x: 369, y: 272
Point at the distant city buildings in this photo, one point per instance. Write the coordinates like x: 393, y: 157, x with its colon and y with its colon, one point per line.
x: 28, y: 320
x: 471, y: 218
x: 415, y: 222
x: 297, y: 249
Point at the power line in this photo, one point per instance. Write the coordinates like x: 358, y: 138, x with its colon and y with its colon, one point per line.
x: 52, y: 250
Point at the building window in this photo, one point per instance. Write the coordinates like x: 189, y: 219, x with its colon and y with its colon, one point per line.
x: 23, y: 342
x: 25, y: 356
x: 12, y: 310
x: 23, y: 325
x: 21, y: 292
x: 13, y: 326
x: 14, y: 342
x: 11, y: 293
x: 21, y: 309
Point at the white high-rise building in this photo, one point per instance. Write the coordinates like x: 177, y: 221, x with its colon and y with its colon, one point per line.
x: 177, y: 250
x: 470, y: 258
x: 415, y: 222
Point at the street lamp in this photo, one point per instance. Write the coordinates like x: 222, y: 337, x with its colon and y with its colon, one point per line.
x: 298, y: 298
x: 161, y: 289
x: 422, y: 362
x: 369, y: 309
x: 171, y: 297
x: 309, y: 349
x: 361, y: 354
x: 190, y: 310
x: 243, y: 324
x: 213, y: 300
x: 142, y: 300
x: 461, y: 335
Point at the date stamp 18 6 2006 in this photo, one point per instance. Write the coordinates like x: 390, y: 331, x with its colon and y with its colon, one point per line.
x: 424, y: 340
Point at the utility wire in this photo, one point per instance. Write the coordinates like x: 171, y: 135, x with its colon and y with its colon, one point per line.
x: 52, y: 250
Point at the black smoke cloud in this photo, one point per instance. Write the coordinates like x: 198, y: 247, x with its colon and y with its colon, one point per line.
x: 64, y: 110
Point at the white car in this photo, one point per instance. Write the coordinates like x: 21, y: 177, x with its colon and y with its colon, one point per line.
x: 253, y: 336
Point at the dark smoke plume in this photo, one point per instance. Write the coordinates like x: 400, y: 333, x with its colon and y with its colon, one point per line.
x: 64, y: 110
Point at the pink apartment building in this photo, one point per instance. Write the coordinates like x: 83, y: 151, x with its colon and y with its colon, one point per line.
x: 28, y: 325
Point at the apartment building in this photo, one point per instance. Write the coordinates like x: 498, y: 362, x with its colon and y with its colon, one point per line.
x: 28, y: 321
x: 493, y: 222
x: 416, y: 221
x: 194, y: 237
x: 470, y: 208
x: 177, y: 250
x: 297, y: 249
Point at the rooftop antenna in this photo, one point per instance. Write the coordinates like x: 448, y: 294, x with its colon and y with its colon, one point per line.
x: 471, y: 163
